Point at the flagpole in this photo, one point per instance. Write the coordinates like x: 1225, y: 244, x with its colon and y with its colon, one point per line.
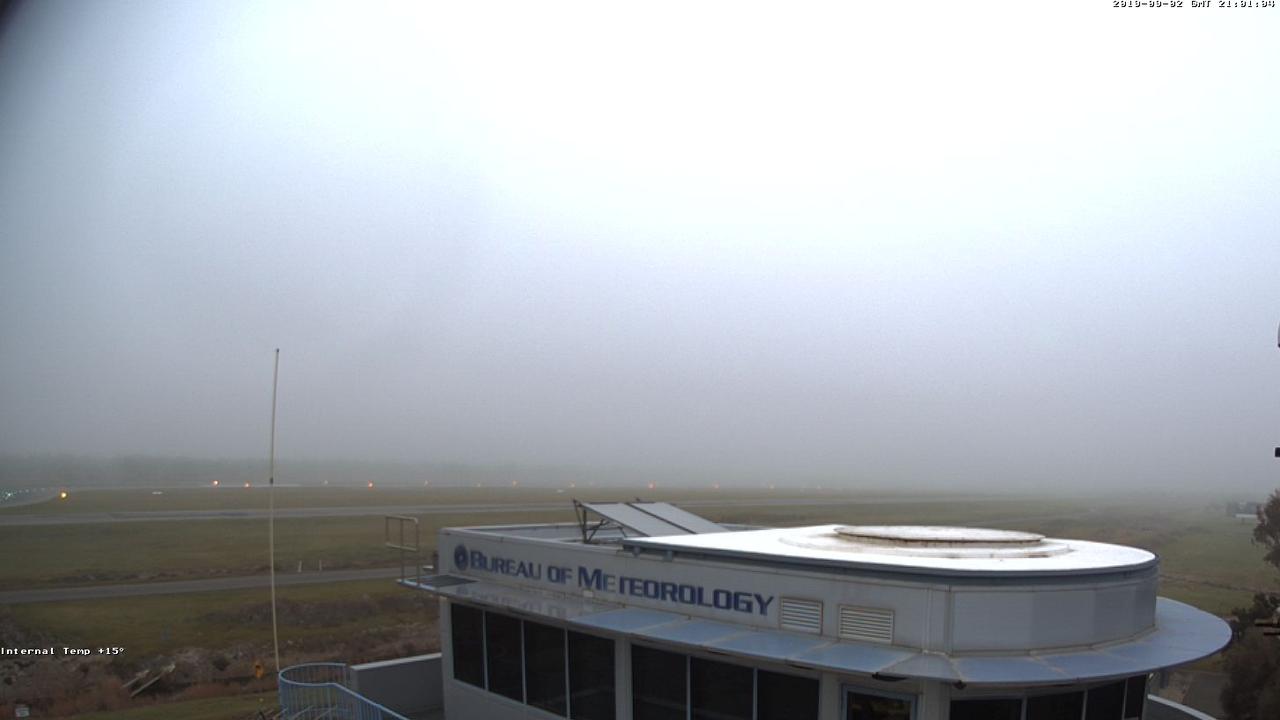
x: 271, y: 512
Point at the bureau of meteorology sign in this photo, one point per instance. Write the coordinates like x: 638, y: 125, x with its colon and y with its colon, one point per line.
x: 597, y: 580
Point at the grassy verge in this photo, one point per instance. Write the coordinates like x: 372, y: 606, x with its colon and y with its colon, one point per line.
x: 1206, y: 558
x: 310, y: 617
x: 103, y: 553
x: 210, y: 643
x: 71, y: 555
x: 255, y: 498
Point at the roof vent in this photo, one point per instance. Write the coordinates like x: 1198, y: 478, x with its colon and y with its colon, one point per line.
x: 800, y: 615
x: 866, y: 624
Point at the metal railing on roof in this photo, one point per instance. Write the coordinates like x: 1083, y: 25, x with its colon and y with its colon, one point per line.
x: 322, y: 691
x: 401, y: 544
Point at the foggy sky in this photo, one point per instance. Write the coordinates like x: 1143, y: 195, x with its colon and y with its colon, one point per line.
x: 978, y: 246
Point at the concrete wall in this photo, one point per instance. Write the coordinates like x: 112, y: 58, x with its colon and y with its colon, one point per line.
x: 410, y: 686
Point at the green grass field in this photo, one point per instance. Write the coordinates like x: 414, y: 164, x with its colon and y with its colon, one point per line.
x: 94, y: 554
x: 1207, y: 559
x: 97, y: 553
x: 214, y: 638
x: 241, y: 498
x: 309, y: 617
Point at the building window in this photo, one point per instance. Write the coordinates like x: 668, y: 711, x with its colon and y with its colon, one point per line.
x: 544, y: 678
x: 561, y: 672
x: 502, y: 651
x: 1135, y: 695
x: 719, y: 691
x: 666, y: 685
x: 590, y: 677
x: 864, y: 706
x: 1104, y: 702
x: 785, y: 697
x: 658, y: 684
x: 987, y: 709
x: 1062, y: 706
x: 467, y: 629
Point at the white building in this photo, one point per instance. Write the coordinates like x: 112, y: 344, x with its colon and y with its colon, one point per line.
x: 644, y: 611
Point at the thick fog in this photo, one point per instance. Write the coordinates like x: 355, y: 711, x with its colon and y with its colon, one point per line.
x: 979, y: 246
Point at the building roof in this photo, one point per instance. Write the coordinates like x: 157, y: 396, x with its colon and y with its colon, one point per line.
x: 963, y: 605
x: 919, y: 549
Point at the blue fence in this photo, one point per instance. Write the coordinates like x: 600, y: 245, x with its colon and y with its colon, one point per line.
x: 322, y: 691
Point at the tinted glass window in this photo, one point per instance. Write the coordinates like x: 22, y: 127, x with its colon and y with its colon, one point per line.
x: 719, y: 691
x: 590, y: 677
x: 1063, y: 706
x: 544, y: 679
x: 987, y: 709
x: 785, y: 697
x: 502, y: 646
x: 1105, y: 702
x: 1135, y: 694
x: 467, y: 629
x: 657, y: 684
x: 861, y: 706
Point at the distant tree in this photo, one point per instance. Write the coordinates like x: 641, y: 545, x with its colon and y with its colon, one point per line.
x: 1265, y: 605
x: 1267, y: 532
x: 1252, y: 691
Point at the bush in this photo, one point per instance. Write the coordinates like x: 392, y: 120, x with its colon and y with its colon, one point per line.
x: 1252, y: 691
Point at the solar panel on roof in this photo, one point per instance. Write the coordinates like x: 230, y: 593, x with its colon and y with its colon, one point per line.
x: 654, y: 519
x: 681, y: 518
x: 637, y: 520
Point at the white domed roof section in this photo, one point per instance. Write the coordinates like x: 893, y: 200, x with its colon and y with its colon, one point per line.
x: 933, y: 535
x: 916, y: 549
x: 932, y: 541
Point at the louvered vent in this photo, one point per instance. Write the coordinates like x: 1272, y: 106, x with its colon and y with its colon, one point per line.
x: 801, y: 615
x: 866, y: 624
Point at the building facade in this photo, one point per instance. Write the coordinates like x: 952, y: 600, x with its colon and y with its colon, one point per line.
x: 651, y: 613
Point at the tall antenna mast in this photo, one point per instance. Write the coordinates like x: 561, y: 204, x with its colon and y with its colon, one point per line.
x: 271, y: 511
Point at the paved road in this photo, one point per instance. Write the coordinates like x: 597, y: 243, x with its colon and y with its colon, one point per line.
x: 99, y: 592
x: 374, y: 510
x: 30, y: 496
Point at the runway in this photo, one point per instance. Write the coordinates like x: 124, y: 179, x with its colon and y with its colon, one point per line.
x: 102, y: 592
x: 17, y: 520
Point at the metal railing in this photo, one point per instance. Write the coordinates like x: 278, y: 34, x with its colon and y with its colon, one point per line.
x: 401, y: 544
x: 322, y: 691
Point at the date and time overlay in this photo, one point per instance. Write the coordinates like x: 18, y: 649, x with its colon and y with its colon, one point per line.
x: 1244, y: 4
